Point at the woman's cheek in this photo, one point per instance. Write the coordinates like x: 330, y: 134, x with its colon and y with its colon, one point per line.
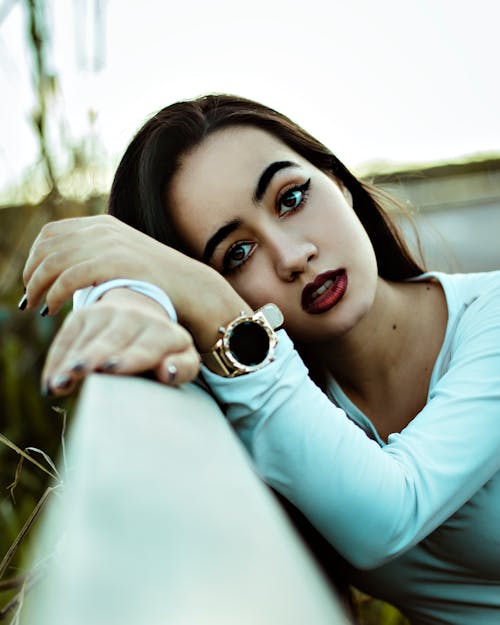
x: 255, y: 288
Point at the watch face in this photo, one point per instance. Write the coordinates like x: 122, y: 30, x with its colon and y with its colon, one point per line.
x: 249, y: 343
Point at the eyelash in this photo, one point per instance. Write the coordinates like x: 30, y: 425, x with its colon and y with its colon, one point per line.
x: 303, y: 189
x: 226, y: 269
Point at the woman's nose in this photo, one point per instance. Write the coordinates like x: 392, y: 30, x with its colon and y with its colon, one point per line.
x: 292, y: 258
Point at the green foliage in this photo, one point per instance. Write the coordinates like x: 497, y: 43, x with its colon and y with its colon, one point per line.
x: 27, y: 419
x: 371, y: 611
x: 27, y: 422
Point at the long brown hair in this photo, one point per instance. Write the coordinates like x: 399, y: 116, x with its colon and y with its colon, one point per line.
x: 139, y: 194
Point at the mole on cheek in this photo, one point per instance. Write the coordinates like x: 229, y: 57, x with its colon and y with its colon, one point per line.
x: 394, y: 326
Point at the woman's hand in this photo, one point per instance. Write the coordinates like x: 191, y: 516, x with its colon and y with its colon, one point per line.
x: 124, y: 333
x: 71, y: 254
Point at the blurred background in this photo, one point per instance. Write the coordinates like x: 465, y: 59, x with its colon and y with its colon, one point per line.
x: 405, y: 92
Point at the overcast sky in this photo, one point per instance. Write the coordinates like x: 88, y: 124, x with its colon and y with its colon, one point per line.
x: 394, y: 80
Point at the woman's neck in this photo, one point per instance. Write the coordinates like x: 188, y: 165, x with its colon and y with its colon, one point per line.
x: 390, y: 353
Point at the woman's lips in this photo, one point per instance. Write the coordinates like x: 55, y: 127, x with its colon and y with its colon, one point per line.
x: 325, y: 292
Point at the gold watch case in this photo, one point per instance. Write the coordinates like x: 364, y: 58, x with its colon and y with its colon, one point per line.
x: 221, y: 358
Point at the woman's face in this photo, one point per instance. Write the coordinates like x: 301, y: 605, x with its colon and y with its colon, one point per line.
x: 279, y: 230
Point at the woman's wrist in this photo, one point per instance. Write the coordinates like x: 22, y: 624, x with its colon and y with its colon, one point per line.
x: 125, y: 297
x: 201, y: 297
x: 139, y: 286
x: 204, y: 309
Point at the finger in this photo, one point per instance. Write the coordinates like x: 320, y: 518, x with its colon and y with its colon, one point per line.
x: 149, y: 348
x: 58, y: 279
x: 108, y: 343
x: 42, y: 247
x: 75, y: 349
x: 52, y: 234
x: 178, y: 368
x: 63, y: 244
x: 68, y: 334
x: 115, y: 342
x: 60, y: 273
x: 44, y: 274
x: 105, y: 331
x: 78, y: 276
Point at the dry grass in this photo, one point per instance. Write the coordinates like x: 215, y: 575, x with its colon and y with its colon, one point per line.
x: 18, y: 585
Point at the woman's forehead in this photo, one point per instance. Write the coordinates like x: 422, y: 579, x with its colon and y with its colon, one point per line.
x: 220, y: 173
x: 239, y: 151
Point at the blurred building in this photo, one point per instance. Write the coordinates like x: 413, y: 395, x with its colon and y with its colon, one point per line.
x: 456, y: 212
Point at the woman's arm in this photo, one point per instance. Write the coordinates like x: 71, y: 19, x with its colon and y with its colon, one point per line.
x: 72, y: 254
x: 371, y: 503
x: 374, y: 503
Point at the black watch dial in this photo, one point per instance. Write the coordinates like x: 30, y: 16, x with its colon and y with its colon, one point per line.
x: 249, y: 343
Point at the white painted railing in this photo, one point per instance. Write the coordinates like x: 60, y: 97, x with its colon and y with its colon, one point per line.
x: 163, y: 521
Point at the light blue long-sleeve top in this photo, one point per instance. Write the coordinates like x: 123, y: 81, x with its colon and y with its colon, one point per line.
x: 418, y: 517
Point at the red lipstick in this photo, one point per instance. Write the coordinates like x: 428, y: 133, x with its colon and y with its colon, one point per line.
x: 324, y: 292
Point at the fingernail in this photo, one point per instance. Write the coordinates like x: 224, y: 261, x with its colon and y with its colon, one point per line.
x: 44, y: 311
x: 45, y: 390
x: 23, y: 303
x: 110, y: 364
x: 78, y: 367
x: 61, y: 381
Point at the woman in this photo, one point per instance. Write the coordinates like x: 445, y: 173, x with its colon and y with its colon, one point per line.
x: 395, y: 459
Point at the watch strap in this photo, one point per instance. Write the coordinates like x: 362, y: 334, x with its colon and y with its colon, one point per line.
x: 215, y: 363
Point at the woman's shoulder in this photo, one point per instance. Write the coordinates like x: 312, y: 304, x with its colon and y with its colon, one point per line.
x: 473, y: 314
x: 474, y: 283
x: 463, y: 289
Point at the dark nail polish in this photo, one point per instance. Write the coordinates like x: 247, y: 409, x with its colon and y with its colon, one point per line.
x: 45, y: 390
x: 78, y: 367
x: 109, y: 365
x: 44, y: 311
x: 61, y: 381
x: 23, y: 303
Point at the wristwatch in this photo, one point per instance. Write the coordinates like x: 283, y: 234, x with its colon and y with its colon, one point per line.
x: 246, y: 344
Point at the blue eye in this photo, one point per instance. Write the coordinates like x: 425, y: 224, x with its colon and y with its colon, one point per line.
x: 237, y: 255
x: 293, y: 198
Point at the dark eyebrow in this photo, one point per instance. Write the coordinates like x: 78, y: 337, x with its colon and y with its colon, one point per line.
x: 225, y: 230
x: 219, y: 236
x: 267, y: 175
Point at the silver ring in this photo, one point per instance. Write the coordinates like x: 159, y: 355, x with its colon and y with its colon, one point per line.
x: 172, y: 372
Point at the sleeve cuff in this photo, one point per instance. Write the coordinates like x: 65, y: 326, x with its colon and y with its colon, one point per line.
x: 85, y: 297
